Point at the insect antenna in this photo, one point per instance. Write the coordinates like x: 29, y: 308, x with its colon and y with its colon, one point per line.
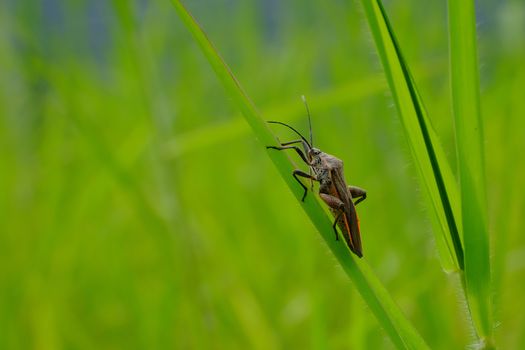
x: 309, y: 120
x: 293, y: 129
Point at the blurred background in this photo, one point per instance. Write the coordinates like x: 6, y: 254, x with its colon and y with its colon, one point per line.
x: 138, y: 211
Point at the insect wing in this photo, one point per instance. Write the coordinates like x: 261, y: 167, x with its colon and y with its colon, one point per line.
x: 352, y: 222
x: 349, y: 223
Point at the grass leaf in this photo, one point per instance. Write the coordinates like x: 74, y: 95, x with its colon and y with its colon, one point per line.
x: 402, y: 333
x: 469, y: 136
x: 433, y: 168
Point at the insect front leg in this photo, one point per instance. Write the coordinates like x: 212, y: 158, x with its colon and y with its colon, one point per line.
x: 286, y: 145
x: 297, y: 173
x: 357, y: 192
x: 336, y: 204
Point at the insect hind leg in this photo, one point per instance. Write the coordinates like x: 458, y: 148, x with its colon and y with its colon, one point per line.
x: 357, y: 192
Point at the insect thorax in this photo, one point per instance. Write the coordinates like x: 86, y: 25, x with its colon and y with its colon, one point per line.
x: 322, y: 164
x: 321, y: 173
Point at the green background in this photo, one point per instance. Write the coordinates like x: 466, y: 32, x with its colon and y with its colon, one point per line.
x: 137, y: 210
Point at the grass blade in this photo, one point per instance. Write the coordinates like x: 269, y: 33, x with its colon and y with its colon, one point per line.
x: 469, y: 136
x: 433, y: 168
x: 402, y: 333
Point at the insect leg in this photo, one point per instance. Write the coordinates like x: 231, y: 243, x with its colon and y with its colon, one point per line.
x: 297, y: 173
x: 332, y: 201
x: 311, y: 180
x: 309, y: 168
x: 291, y: 142
x: 336, y: 204
x: 334, y: 226
x: 357, y: 192
x: 297, y: 149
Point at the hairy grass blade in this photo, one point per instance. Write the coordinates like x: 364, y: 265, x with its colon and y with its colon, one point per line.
x: 469, y: 140
x: 433, y: 168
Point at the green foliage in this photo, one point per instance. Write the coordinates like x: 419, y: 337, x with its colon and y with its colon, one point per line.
x: 138, y: 210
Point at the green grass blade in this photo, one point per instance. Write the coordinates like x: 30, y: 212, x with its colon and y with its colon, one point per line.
x: 433, y: 168
x: 402, y: 333
x: 469, y: 136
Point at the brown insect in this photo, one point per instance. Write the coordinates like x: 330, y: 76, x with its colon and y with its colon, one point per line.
x: 333, y: 190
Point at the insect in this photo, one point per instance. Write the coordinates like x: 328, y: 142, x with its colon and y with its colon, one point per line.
x: 333, y: 190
